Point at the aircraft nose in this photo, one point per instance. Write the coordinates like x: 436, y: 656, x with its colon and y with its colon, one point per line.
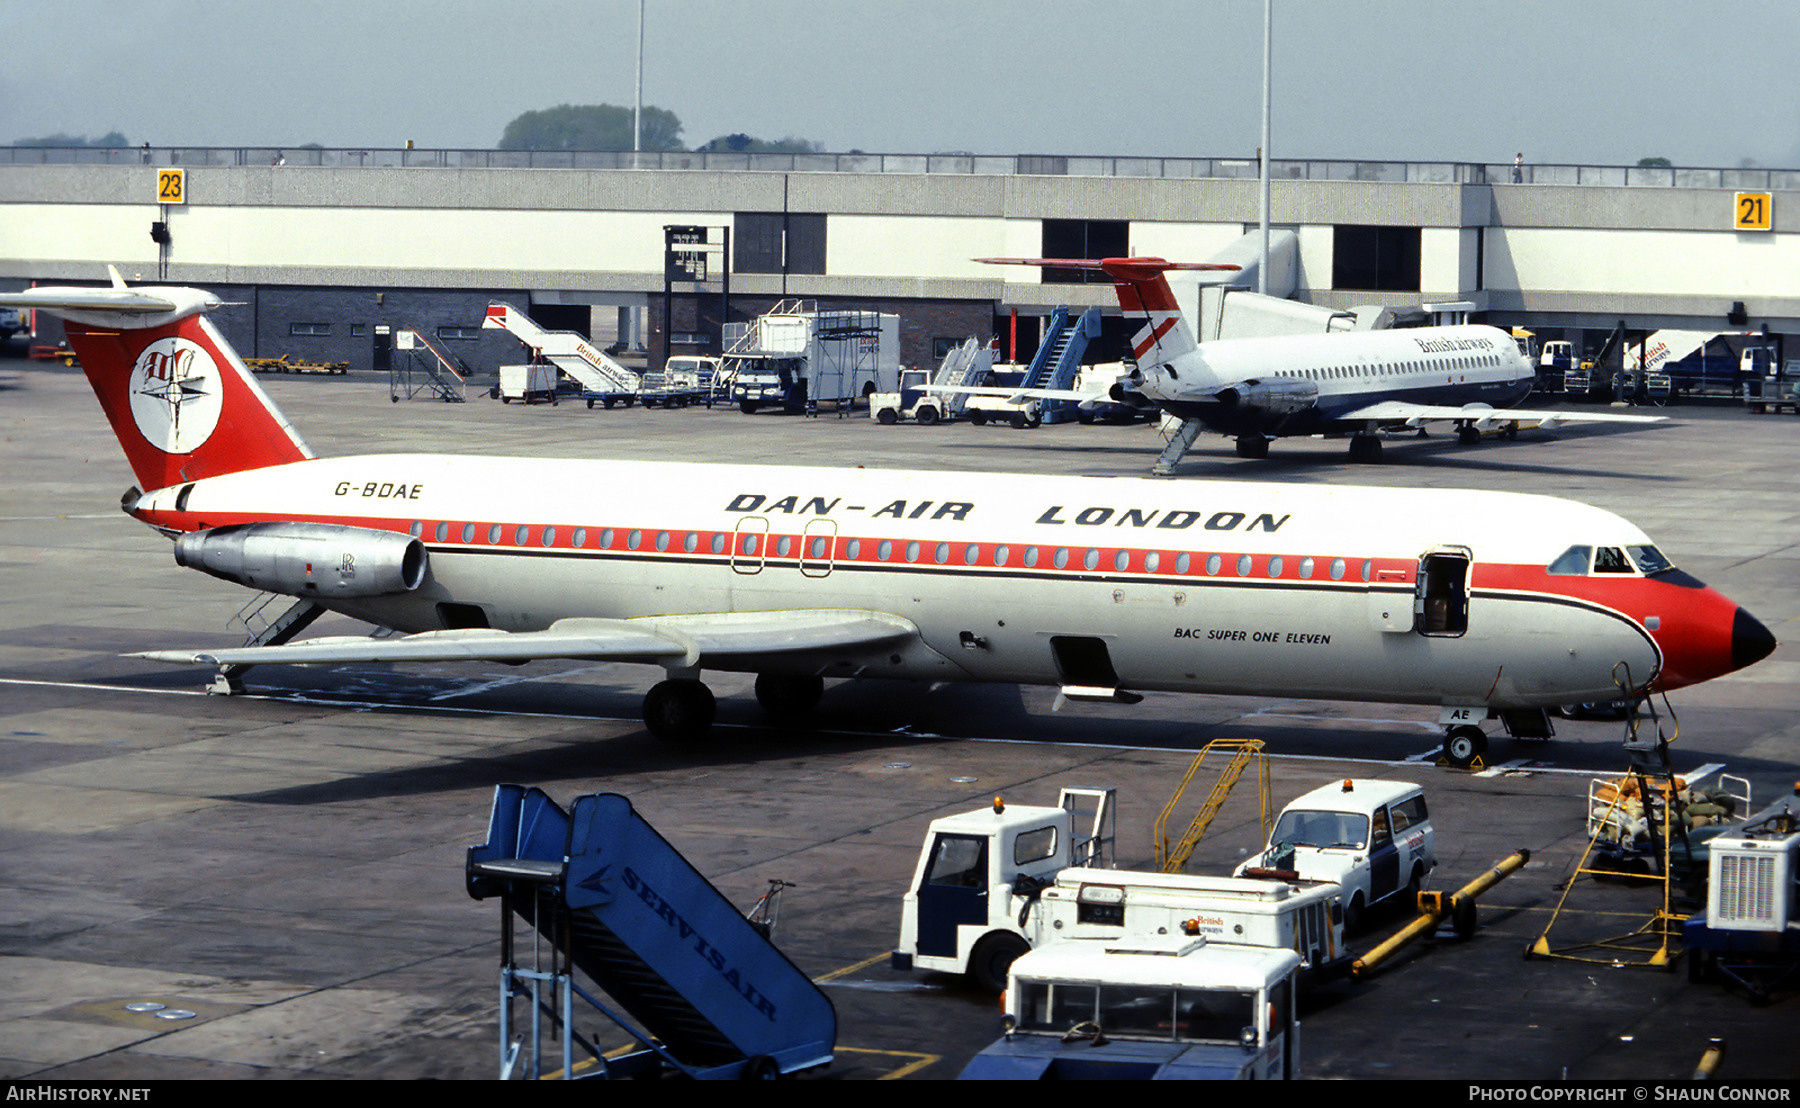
x: 1751, y: 642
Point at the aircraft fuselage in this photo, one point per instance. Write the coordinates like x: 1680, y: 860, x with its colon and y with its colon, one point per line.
x: 1221, y: 587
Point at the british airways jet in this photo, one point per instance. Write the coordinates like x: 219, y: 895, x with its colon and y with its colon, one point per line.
x: 1357, y: 383
x: 1486, y: 605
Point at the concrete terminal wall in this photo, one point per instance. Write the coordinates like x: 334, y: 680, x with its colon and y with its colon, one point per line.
x: 1542, y: 255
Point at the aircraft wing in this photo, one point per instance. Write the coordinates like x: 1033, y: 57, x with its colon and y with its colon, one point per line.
x: 1484, y: 417
x: 686, y: 640
x: 1016, y: 395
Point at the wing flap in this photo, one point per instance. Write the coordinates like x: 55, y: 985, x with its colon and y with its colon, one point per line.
x: 685, y: 640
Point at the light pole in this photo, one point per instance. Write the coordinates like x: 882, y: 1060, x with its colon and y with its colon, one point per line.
x: 1262, y: 270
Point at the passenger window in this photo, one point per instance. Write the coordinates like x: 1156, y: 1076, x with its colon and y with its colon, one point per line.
x: 1572, y: 562
x: 1382, y: 834
x: 1610, y: 559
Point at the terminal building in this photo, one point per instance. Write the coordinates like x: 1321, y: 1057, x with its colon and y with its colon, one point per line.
x: 329, y: 250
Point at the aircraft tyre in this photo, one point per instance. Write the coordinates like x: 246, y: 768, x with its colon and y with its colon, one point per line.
x: 1365, y: 449
x: 680, y: 709
x: 1252, y: 446
x: 993, y: 957
x: 1468, y: 435
x: 1462, y: 745
x: 787, y: 697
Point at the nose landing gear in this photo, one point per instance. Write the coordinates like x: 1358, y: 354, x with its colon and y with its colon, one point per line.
x: 1464, y: 745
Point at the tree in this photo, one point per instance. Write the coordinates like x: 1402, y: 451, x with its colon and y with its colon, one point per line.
x: 590, y: 127
x: 744, y: 144
x: 110, y: 140
x: 1655, y: 163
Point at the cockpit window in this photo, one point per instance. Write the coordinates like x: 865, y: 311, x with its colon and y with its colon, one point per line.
x: 1649, y: 559
x: 1610, y: 559
x: 1572, y: 562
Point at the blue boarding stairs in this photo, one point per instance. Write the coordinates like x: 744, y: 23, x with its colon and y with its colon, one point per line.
x: 707, y: 995
x: 1058, y: 359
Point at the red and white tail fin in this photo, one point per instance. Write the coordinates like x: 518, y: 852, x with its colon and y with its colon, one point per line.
x: 1144, y: 293
x: 181, y: 401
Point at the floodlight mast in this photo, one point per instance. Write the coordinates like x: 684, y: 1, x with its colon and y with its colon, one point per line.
x: 1262, y: 270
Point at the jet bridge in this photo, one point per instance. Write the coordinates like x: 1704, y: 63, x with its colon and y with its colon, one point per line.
x: 709, y: 994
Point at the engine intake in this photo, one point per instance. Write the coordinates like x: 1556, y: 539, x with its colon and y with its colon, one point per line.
x: 1278, y: 395
x: 307, y: 559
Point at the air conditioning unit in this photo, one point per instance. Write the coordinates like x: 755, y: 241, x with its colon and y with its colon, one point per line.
x: 1754, y: 883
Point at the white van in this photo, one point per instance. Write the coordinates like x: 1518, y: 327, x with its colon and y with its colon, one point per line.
x: 1373, y: 838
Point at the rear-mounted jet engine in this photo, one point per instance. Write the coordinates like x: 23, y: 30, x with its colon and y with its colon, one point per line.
x: 307, y: 559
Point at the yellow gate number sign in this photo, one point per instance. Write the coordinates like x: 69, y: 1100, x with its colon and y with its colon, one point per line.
x: 1755, y: 211
x: 171, y: 186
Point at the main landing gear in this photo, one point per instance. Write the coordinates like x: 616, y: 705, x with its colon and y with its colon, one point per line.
x: 1252, y: 446
x: 682, y: 709
x: 1365, y: 449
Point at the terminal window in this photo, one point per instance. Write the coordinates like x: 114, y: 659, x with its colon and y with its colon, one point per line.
x: 1383, y: 259
x: 1084, y: 238
x: 778, y: 242
x: 309, y: 328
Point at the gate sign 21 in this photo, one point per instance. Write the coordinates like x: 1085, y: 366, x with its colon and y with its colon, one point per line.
x: 1755, y: 211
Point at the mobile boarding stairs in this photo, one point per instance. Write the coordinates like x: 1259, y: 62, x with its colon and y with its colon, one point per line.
x: 707, y: 994
x: 601, y: 378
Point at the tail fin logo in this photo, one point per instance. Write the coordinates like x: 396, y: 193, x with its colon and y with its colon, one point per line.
x: 176, y: 395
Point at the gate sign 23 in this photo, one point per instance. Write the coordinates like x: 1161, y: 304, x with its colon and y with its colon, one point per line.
x: 171, y: 186
x: 1755, y: 211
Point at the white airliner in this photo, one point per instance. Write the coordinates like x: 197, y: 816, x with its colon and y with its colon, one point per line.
x: 1354, y: 382
x: 1485, y: 604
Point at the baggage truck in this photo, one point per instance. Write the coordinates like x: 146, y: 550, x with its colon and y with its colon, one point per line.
x: 994, y: 883
x: 798, y: 357
x: 1155, y: 1007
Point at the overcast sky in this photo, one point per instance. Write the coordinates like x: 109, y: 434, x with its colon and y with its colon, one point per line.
x: 1589, y: 81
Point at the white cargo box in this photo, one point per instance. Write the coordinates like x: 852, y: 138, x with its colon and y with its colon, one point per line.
x: 528, y: 383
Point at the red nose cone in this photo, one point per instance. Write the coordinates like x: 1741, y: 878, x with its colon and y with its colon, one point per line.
x: 1711, y: 637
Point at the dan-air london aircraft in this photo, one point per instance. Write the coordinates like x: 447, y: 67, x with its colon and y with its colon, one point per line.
x: 1355, y: 383
x: 1484, y: 604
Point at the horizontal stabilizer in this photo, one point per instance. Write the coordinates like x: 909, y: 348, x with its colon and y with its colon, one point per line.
x: 114, y: 305
x: 1127, y: 268
x: 686, y: 640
